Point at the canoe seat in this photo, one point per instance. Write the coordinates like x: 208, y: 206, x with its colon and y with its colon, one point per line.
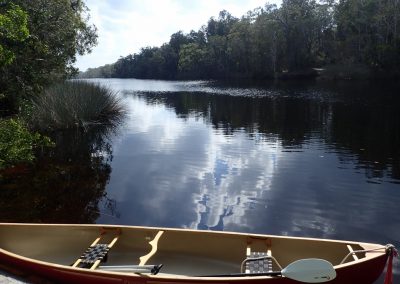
x: 258, y: 262
x: 97, y: 253
x: 93, y: 254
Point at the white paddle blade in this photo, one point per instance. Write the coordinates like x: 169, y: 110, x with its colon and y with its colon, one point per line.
x: 310, y: 270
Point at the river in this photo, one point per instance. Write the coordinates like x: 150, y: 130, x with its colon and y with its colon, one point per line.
x: 311, y: 159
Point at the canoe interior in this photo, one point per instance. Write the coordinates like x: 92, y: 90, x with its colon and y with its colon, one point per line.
x: 182, y: 252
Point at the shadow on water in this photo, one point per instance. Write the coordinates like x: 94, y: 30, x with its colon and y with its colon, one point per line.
x: 66, y: 184
x: 353, y: 122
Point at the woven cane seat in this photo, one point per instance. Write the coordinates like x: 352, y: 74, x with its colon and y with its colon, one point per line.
x: 95, y: 253
x: 263, y: 265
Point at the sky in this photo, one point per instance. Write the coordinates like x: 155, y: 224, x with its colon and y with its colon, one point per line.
x: 125, y: 26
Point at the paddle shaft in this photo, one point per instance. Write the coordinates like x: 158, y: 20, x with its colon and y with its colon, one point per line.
x: 153, y: 269
x: 272, y: 273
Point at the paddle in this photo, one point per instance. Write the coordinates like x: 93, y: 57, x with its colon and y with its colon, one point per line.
x: 310, y: 270
x: 153, y: 269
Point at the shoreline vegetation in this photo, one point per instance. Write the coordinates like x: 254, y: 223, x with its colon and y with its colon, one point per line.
x: 301, y: 39
x: 75, y: 104
x: 17, y: 142
x: 39, y: 42
x: 70, y: 105
x: 66, y: 106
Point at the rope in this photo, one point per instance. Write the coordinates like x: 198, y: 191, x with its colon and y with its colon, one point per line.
x: 387, y: 248
x: 389, y: 271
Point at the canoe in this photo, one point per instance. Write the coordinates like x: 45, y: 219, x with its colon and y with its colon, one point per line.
x: 66, y: 253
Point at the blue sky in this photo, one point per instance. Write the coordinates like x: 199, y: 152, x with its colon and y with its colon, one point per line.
x: 124, y: 26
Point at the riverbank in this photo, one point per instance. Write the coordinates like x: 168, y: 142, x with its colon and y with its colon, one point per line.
x: 332, y: 72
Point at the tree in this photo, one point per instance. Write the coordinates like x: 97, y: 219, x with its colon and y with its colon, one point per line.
x: 59, y: 30
x: 177, y: 40
x: 298, y: 22
x: 13, y: 30
x: 193, y: 61
x: 217, y: 32
x: 239, y: 48
x: 267, y: 42
x: 222, y: 26
x: 367, y: 33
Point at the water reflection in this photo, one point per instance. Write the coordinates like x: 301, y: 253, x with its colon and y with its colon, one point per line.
x: 164, y: 163
x: 65, y: 185
x: 369, y: 133
x: 294, y: 159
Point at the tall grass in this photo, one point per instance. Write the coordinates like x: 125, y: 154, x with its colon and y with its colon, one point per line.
x: 74, y: 104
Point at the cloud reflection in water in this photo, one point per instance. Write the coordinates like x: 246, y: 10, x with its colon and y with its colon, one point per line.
x: 184, y: 173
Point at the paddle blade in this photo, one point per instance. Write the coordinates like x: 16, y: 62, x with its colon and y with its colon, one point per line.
x: 310, y: 270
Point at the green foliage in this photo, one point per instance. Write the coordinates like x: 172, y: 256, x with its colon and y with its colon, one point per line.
x: 75, y: 104
x: 284, y: 42
x: 151, y: 62
x: 17, y: 142
x: 192, y: 58
x: 368, y: 33
x: 59, y: 30
x: 13, y: 29
x: 106, y: 71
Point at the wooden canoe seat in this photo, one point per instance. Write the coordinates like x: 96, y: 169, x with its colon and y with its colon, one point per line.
x: 97, y: 253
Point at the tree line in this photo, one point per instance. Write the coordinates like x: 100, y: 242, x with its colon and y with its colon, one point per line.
x: 353, y: 36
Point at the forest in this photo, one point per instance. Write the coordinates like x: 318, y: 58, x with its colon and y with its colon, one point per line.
x: 345, y: 39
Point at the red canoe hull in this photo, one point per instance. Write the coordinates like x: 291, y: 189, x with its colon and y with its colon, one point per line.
x: 363, y: 273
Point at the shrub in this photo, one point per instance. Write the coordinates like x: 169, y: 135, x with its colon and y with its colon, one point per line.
x: 73, y: 104
x: 17, y: 142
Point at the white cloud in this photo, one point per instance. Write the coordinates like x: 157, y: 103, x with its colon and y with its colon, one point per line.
x: 125, y: 26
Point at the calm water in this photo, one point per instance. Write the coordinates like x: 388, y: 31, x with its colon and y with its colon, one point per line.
x: 294, y: 159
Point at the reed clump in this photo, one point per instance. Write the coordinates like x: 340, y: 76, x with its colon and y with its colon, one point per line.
x: 75, y: 104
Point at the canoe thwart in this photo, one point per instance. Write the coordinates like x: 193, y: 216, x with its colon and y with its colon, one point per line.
x: 154, y: 246
x: 350, y: 248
